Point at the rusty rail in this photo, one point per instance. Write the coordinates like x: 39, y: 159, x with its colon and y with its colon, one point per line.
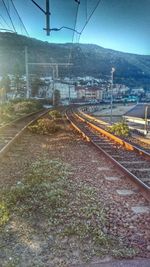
x: 7, y: 147
x: 145, y: 189
x: 113, y: 137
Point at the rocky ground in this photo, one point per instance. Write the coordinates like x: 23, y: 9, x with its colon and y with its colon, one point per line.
x: 61, y: 205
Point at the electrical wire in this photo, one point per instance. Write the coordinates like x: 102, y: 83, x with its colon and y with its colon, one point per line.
x: 76, y: 17
x: 1, y: 23
x: 74, y: 30
x: 8, y: 6
x: 90, y: 16
x: 9, y: 16
x: 86, y: 9
x: 1, y: 29
x: 4, y: 21
x: 19, y: 17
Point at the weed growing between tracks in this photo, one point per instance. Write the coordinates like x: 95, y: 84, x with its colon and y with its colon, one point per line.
x: 45, y: 126
x: 55, y: 114
x: 120, y: 129
x: 49, y: 125
x: 48, y: 213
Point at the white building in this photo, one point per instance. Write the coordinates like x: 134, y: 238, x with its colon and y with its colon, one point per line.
x: 89, y: 93
x: 66, y: 90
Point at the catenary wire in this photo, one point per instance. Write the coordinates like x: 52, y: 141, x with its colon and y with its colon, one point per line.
x: 19, y: 17
x: 5, y: 21
x: 8, y: 13
x: 76, y: 17
x: 1, y: 23
x: 86, y: 9
x: 90, y: 16
x: 1, y: 29
x: 74, y: 30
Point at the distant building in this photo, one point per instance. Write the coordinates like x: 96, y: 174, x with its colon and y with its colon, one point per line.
x: 66, y: 90
x: 137, y: 91
x: 89, y: 93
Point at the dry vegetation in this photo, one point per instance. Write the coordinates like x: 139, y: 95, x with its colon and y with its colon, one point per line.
x: 17, y: 108
x: 47, y: 125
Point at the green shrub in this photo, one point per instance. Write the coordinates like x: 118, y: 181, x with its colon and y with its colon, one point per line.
x: 4, y: 215
x: 14, y: 109
x: 120, y: 129
x: 44, y: 126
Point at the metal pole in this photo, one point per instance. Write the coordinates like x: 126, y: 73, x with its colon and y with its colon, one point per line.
x: 53, y: 86
x: 57, y: 71
x: 27, y: 72
x: 111, y: 89
x: 146, y: 111
x: 47, y: 18
x: 69, y: 93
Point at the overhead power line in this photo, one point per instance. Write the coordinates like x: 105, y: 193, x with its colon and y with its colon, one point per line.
x: 1, y: 23
x: 76, y: 17
x: 46, y: 13
x: 4, y: 21
x: 19, y: 17
x: 87, y: 21
x: 1, y: 29
x: 8, y: 13
x: 74, y: 30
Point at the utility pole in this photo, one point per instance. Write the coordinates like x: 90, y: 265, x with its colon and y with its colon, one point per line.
x: 111, y: 91
x: 146, y: 112
x: 53, y: 89
x: 69, y: 93
x: 27, y: 72
x: 47, y: 13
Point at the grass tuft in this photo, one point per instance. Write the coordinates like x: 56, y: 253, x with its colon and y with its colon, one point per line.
x: 4, y: 214
x: 69, y: 211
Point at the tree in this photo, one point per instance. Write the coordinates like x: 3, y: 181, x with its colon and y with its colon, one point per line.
x: 35, y: 85
x: 56, y: 97
x: 5, y: 85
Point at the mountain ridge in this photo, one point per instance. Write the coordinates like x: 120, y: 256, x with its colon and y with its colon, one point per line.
x: 88, y: 59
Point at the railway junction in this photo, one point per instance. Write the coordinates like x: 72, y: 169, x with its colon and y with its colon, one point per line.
x: 95, y: 207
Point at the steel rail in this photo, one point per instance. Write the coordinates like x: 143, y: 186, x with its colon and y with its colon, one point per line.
x: 73, y: 116
x: 7, y: 147
x: 20, y: 119
x: 111, y: 136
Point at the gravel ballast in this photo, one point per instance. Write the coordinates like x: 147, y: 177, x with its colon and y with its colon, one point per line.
x: 34, y: 241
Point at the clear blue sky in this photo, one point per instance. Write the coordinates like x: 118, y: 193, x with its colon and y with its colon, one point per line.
x: 122, y: 25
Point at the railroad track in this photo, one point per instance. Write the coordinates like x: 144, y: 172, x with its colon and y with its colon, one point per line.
x: 133, y: 161
x: 10, y: 133
x: 103, y: 124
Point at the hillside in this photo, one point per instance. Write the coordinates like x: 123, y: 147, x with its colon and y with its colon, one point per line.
x: 87, y: 59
